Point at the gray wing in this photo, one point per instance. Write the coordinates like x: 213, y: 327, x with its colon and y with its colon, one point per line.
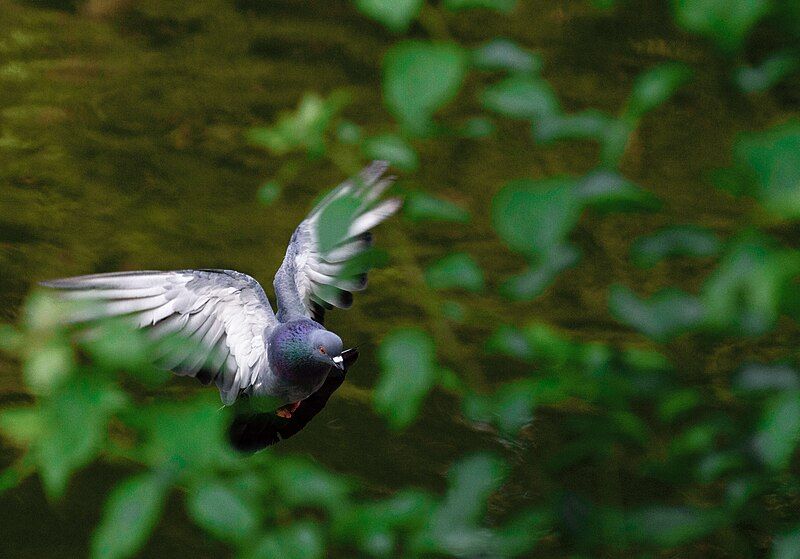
x: 311, y: 280
x: 226, y: 314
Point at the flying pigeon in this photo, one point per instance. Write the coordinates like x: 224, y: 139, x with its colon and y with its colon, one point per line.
x: 239, y: 343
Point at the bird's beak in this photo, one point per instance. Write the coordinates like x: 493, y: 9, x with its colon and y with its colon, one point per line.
x: 338, y: 362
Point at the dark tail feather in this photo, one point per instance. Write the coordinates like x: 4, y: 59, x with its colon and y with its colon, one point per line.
x: 257, y: 431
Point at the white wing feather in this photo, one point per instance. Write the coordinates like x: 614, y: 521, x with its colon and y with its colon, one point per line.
x: 311, y: 280
x: 226, y: 314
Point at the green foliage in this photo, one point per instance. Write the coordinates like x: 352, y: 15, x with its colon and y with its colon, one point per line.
x: 521, y: 96
x: 301, y: 130
x: 533, y: 217
x: 768, y: 73
x: 499, y: 5
x: 131, y: 513
x: 654, y: 87
x: 726, y: 22
x: 393, y: 149
x: 73, y: 425
x: 666, y: 314
x: 502, y: 54
x: 779, y: 433
x: 396, y: 15
x: 223, y: 511
x: 678, y: 240
x: 419, y: 78
x: 768, y: 162
x: 673, y: 432
x: 421, y: 206
x: 408, y: 373
x: 455, y: 271
x: 268, y: 192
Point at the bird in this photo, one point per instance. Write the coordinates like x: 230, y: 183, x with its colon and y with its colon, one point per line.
x: 286, y: 356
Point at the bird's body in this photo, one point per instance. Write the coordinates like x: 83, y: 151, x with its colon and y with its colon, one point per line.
x: 239, y: 343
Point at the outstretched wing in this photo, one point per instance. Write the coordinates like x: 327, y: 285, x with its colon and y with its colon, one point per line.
x: 312, y: 278
x: 224, y: 313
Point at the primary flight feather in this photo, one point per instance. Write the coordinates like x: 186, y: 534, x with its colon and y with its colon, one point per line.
x: 240, y: 343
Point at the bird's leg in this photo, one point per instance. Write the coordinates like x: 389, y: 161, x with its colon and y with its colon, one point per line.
x: 287, y: 410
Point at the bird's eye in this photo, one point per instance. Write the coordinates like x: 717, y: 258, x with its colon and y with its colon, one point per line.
x: 322, y: 350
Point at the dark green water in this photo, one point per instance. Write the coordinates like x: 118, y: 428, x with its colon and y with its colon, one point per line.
x: 122, y: 147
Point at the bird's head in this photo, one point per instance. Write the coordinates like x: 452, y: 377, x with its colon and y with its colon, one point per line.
x: 326, y: 348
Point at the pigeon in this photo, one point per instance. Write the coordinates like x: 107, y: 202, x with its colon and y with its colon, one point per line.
x: 287, y: 358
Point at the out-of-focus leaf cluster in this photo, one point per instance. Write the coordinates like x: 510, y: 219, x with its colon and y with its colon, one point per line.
x: 705, y: 462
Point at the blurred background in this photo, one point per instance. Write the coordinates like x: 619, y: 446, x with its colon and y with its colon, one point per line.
x: 582, y: 339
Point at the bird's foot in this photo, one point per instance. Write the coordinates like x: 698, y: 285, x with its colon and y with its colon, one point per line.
x: 287, y: 410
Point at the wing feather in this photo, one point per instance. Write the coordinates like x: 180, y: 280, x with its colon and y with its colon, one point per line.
x: 311, y: 280
x: 224, y: 315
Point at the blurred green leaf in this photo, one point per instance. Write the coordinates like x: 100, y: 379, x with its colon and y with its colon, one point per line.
x: 645, y: 359
x: 726, y: 22
x: 348, y: 132
x: 666, y: 314
x: 131, y: 512
x: 607, y: 190
x: 396, y: 15
x: 476, y: 127
x: 44, y: 313
x: 549, y: 346
x: 586, y: 125
x: 393, y: 149
x: 772, y: 159
x: 499, y: 5
x: 74, y: 421
x: 190, y: 436
x: 503, y: 54
x: 787, y: 546
x: 759, y: 377
x: 453, y: 310
x: 48, y: 366
x: 770, y: 72
x: 373, y: 525
x: 301, y: 130
x: 540, y: 274
x: 419, y: 78
x: 677, y: 240
x: 116, y: 344
x: 408, y: 373
x: 300, y: 540
x: 654, y: 87
x: 304, y: 484
x: 696, y: 439
x: 268, y: 192
x: 671, y: 526
x: 334, y: 221
x: 678, y: 402
x: 22, y: 425
x: 521, y: 533
x: 534, y: 217
x: 470, y: 483
x: 225, y: 513
x: 617, y: 134
x: 10, y: 338
x: 510, y: 341
x: 717, y: 464
x: 454, y: 525
x: 510, y: 408
x: 521, y: 96
x: 745, y: 293
x: 779, y: 432
x: 421, y: 206
x: 457, y: 270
